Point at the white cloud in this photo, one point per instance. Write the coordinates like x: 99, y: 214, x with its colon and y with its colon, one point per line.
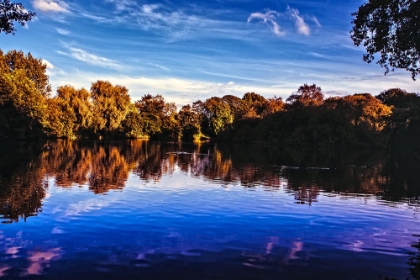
x: 269, y: 18
x: 160, y: 66
x: 122, y: 5
x: 301, y: 26
x: 316, y: 21
x: 92, y: 59
x: 54, y: 6
x: 49, y: 64
x: 62, y: 31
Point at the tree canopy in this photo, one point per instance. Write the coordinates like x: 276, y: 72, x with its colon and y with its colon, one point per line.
x: 390, y: 28
x: 11, y: 13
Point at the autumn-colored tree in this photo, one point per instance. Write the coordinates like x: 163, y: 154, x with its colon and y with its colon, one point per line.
x: 307, y: 95
x: 111, y: 104
x: 79, y: 102
x: 34, y: 68
x: 273, y: 105
x: 256, y: 105
x: 158, y: 116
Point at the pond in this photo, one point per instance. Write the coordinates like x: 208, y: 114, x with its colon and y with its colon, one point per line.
x: 145, y: 210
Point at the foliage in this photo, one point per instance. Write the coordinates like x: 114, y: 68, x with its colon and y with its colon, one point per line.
x: 158, y: 116
x: 306, y: 120
x: 307, y: 96
x: 111, y: 105
x: 389, y: 28
x: 34, y: 68
x: 13, y: 12
x: 23, y: 109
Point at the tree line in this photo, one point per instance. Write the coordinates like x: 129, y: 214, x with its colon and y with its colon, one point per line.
x: 28, y: 109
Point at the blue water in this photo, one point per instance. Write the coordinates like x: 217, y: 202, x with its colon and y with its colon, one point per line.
x: 185, y: 222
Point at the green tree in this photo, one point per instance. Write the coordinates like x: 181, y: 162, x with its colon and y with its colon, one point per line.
x: 389, y: 28
x: 23, y: 109
x: 218, y: 114
x: 110, y: 104
x: 78, y: 101
x: 190, y: 123
x: 133, y: 125
x: 11, y: 13
x: 61, y: 119
x: 404, y: 123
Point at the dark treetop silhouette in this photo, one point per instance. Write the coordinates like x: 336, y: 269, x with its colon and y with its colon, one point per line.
x: 11, y: 13
x: 390, y: 28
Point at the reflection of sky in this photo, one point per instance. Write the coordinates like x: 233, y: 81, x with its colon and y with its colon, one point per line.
x: 186, y: 216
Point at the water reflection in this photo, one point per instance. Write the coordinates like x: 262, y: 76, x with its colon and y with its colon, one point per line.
x: 26, y: 170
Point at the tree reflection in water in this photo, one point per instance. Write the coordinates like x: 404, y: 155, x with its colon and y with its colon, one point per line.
x: 25, y: 170
x: 414, y: 260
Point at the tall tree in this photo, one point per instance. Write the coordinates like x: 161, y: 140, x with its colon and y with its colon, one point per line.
x: 34, y: 68
x: 79, y: 102
x: 11, y: 13
x: 389, y: 28
x: 23, y: 110
x: 110, y: 106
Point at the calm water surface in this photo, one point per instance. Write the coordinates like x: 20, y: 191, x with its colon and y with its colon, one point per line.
x: 146, y: 210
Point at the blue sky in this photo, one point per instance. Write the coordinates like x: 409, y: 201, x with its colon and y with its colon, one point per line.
x: 186, y: 50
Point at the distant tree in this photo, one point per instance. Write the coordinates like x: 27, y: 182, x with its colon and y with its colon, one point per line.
x: 256, y: 105
x: 190, y: 123
x: 404, y: 123
x: 13, y: 12
x: 69, y: 113
x: 218, y: 114
x: 273, y: 105
x: 399, y: 98
x: 111, y: 104
x: 158, y: 116
x: 238, y: 106
x: 307, y: 96
x: 133, y: 124
x: 389, y: 28
x: 79, y: 103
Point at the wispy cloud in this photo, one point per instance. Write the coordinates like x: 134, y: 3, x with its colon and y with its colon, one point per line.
x: 51, y: 6
x: 62, y: 31
x: 269, y: 18
x: 314, y: 19
x: 301, y: 26
x: 122, y: 5
x: 90, y: 58
x: 159, y: 66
